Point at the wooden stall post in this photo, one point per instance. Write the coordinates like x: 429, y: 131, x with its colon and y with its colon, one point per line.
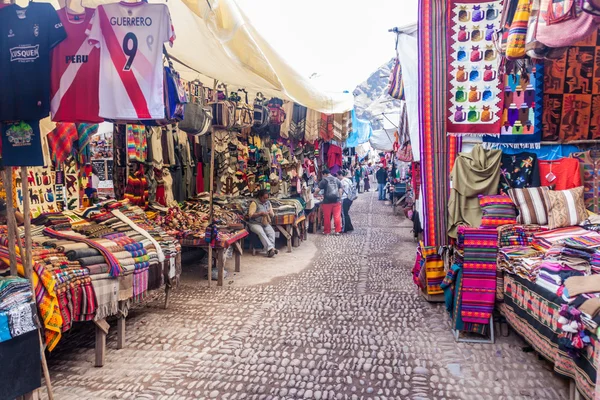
x: 27, y: 260
x: 211, y: 188
x: 11, y: 221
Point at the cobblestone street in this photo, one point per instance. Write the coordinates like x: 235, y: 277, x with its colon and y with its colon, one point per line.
x: 350, y: 326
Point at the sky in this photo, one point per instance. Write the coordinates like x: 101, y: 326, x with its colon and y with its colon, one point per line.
x: 341, y: 41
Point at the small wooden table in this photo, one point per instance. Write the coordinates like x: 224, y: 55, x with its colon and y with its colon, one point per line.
x: 219, y: 251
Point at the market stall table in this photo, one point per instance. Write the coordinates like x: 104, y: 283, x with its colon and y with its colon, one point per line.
x: 533, y: 312
x: 219, y: 250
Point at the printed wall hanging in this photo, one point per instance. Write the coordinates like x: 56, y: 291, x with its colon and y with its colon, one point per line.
x: 474, y: 87
x: 572, y: 94
x: 521, y: 122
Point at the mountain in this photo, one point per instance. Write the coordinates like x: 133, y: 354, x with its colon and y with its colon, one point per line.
x: 371, y: 98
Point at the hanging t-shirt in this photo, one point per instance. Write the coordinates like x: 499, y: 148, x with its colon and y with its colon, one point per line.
x: 22, y: 144
x: 563, y: 173
x: 75, y: 71
x: 26, y: 37
x: 131, y: 37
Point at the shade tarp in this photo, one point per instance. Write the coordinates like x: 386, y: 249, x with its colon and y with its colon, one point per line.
x: 216, y: 40
x: 383, y: 139
x: 361, y: 131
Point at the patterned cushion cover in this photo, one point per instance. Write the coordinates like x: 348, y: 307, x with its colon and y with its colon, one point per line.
x: 531, y: 204
x: 497, y: 210
x: 565, y: 207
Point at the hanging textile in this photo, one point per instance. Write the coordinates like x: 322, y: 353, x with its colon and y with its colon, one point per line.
x: 521, y: 123
x: 474, y: 90
x: 479, y: 275
x: 438, y: 151
x: 571, y: 97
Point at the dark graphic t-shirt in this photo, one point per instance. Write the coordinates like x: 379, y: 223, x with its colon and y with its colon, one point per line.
x: 26, y: 37
x: 22, y: 144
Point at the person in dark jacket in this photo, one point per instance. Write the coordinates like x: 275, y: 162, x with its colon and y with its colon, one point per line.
x: 381, y: 176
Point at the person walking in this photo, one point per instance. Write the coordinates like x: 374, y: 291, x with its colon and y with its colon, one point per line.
x: 359, y: 172
x: 367, y: 178
x: 331, y: 205
x: 348, y: 196
x: 381, y: 176
x: 260, y: 214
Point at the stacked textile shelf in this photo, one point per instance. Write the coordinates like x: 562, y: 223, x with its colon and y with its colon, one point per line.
x: 534, y: 312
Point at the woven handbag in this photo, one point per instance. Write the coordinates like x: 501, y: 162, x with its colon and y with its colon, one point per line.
x: 396, y: 89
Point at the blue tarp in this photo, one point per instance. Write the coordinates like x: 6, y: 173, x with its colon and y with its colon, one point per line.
x: 361, y: 131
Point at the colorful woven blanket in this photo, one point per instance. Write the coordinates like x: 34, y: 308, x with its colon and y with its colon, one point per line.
x: 479, y: 283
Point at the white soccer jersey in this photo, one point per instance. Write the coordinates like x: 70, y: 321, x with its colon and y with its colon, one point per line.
x: 131, y: 37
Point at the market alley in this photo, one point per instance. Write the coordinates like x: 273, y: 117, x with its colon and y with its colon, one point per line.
x: 349, y: 326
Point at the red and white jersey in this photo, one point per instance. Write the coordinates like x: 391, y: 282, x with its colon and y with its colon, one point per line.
x: 131, y: 37
x: 75, y: 65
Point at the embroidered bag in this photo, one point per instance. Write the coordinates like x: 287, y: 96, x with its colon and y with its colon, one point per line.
x: 223, y: 111
x: 515, y: 47
x: 564, y: 23
x: 197, y: 117
x: 261, y: 113
x: 276, y: 112
x: 405, y: 151
x: 396, y: 89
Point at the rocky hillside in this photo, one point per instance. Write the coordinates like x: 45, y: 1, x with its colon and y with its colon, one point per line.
x: 371, y: 98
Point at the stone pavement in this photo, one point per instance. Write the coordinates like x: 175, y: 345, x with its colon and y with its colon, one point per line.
x: 351, y: 326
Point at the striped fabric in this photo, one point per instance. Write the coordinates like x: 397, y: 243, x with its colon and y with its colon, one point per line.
x: 479, y: 275
x: 531, y: 204
x: 565, y: 207
x: 434, y: 269
x: 497, y: 210
x: 438, y: 150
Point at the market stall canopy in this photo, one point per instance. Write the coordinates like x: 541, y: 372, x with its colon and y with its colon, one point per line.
x: 407, y: 48
x: 216, y: 39
x: 383, y: 139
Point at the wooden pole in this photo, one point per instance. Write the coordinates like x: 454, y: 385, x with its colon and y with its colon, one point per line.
x: 210, y: 204
x: 11, y: 221
x: 27, y: 260
x: 211, y: 187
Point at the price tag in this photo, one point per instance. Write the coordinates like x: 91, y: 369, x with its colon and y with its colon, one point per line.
x: 550, y: 176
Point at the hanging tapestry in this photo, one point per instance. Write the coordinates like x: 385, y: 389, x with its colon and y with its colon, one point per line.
x: 479, y: 275
x: 474, y: 89
x: 521, y: 122
x: 50, y: 189
x: 438, y: 151
x: 572, y: 94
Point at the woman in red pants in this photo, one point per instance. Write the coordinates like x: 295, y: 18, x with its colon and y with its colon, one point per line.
x: 331, y: 205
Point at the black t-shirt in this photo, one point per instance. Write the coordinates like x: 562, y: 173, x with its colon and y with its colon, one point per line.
x: 26, y: 37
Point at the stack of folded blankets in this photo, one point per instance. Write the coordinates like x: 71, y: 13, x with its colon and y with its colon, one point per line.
x: 18, y: 313
x: 520, y: 260
x: 554, y: 273
x: 543, y: 241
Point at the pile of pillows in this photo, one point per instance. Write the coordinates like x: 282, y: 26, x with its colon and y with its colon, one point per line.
x: 534, y: 206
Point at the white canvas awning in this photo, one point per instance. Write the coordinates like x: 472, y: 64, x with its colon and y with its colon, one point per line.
x: 216, y: 40
x: 383, y: 139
